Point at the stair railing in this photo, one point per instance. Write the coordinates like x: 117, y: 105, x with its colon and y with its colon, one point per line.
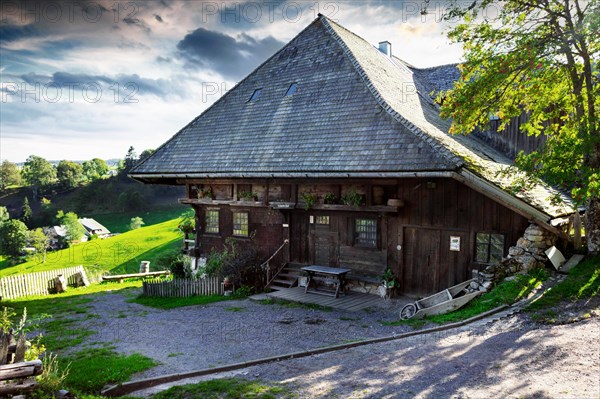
x: 267, y: 266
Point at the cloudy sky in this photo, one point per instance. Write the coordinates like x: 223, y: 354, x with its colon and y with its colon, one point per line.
x: 83, y: 79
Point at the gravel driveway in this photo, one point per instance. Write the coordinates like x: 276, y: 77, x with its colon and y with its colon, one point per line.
x: 511, y: 358
x: 196, y: 337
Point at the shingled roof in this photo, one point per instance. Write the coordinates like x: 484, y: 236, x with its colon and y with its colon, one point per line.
x: 356, y: 113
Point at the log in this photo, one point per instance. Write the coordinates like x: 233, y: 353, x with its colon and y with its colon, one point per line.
x: 17, y: 386
x: 20, y: 349
x: 18, y: 372
x: 37, y: 365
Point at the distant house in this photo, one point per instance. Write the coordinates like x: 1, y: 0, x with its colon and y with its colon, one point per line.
x: 93, y: 227
x: 57, y: 234
x: 338, y: 147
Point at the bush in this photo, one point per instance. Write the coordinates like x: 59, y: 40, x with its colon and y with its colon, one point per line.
x: 175, y: 262
x: 136, y: 223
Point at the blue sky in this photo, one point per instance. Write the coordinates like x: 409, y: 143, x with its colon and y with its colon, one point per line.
x: 82, y: 79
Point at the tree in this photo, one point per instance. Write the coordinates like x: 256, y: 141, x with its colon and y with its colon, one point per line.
x: 69, y: 174
x: 95, y: 168
x: 26, y: 212
x: 39, y: 172
x: 539, y: 57
x: 39, y: 241
x: 70, y: 221
x: 13, y: 237
x: 136, y: 223
x: 129, y: 161
x: 145, y: 154
x: 9, y: 175
x: 4, y: 215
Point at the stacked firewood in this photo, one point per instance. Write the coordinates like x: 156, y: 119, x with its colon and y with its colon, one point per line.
x: 17, y: 376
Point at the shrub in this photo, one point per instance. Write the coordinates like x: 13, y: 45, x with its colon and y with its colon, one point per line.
x: 175, y: 262
x: 136, y: 223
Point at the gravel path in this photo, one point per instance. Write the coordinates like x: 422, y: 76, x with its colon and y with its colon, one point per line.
x: 196, y: 337
x: 512, y: 358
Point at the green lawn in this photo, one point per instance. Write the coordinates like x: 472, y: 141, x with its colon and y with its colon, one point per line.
x: 119, y: 222
x: 118, y: 254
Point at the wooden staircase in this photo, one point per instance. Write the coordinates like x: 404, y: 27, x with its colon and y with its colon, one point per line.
x: 287, y: 277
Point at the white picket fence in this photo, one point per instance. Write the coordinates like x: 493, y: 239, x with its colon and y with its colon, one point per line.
x: 183, y: 287
x: 38, y: 283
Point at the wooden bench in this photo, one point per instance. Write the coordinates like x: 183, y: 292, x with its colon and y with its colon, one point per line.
x: 121, y: 277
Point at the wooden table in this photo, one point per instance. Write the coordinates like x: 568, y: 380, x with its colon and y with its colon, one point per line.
x: 334, y: 275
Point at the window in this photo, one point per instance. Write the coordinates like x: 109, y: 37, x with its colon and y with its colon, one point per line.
x: 212, y: 221
x: 240, y: 224
x: 322, y: 219
x: 365, y: 231
x: 255, y: 96
x: 489, y: 248
x: 292, y: 90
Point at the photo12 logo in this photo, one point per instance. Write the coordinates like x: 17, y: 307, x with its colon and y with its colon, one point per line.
x: 52, y: 92
x: 28, y: 11
x: 254, y: 12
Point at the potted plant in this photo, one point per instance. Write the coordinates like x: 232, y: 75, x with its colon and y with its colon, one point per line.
x: 329, y: 198
x: 247, y: 196
x: 227, y: 286
x: 352, y: 198
x: 310, y: 199
x: 206, y: 193
x: 186, y: 225
x: 389, y: 283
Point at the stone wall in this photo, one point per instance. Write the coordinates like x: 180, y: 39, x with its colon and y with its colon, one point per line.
x: 526, y: 255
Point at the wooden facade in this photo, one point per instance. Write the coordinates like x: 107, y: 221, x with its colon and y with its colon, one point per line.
x: 413, y: 240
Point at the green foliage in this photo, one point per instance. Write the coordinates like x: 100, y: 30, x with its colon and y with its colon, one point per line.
x: 39, y: 241
x: 206, y: 193
x: 13, y: 237
x: 329, y: 198
x: 128, y: 162
x: 10, y: 175
x: 214, y: 263
x: 26, y: 212
x: 70, y: 221
x: 135, y: 223
x: 173, y: 261
x: 130, y: 200
x: 4, y: 216
x: 39, y: 172
x: 228, y: 388
x: 532, y: 59
x: 310, y: 199
x: 244, y: 291
x: 94, y: 169
x: 187, y: 223
x: 352, y: 197
x: 247, y: 195
x: 52, y: 378
x: 69, y: 174
x: 390, y: 279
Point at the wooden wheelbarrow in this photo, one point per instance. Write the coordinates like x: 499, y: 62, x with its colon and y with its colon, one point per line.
x: 444, y: 301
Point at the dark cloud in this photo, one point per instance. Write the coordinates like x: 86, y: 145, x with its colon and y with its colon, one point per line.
x: 228, y: 56
x: 10, y: 33
x: 137, y: 22
x: 158, y: 18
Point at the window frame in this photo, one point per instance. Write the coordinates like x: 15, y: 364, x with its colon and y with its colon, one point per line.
x: 373, y: 243
x: 242, y: 233
x: 255, y: 96
x: 489, y: 244
x: 319, y: 220
x: 207, y: 223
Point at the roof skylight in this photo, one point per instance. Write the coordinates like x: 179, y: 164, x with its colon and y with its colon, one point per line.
x: 255, y: 96
x: 292, y: 89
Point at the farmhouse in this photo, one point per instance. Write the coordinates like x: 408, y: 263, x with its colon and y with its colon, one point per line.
x: 338, y: 147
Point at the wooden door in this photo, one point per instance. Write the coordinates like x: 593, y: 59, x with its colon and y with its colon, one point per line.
x: 299, y: 238
x: 324, y: 244
x: 455, y: 261
x: 421, y: 268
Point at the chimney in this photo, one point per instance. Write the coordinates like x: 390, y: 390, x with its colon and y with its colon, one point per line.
x: 386, y: 48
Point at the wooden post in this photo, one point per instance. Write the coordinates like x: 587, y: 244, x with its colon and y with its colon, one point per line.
x: 576, y: 230
x: 197, y: 236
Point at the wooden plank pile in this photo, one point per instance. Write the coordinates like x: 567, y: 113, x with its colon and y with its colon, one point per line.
x: 16, y: 375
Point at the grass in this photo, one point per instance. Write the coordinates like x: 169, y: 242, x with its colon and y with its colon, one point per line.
x: 92, y: 369
x: 583, y: 282
x: 289, y: 304
x: 118, y: 254
x: 171, y: 303
x: 226, y: 388
x: 119, y: 222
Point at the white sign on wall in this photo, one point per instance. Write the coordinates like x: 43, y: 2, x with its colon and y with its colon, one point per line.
x: 454, y: 243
